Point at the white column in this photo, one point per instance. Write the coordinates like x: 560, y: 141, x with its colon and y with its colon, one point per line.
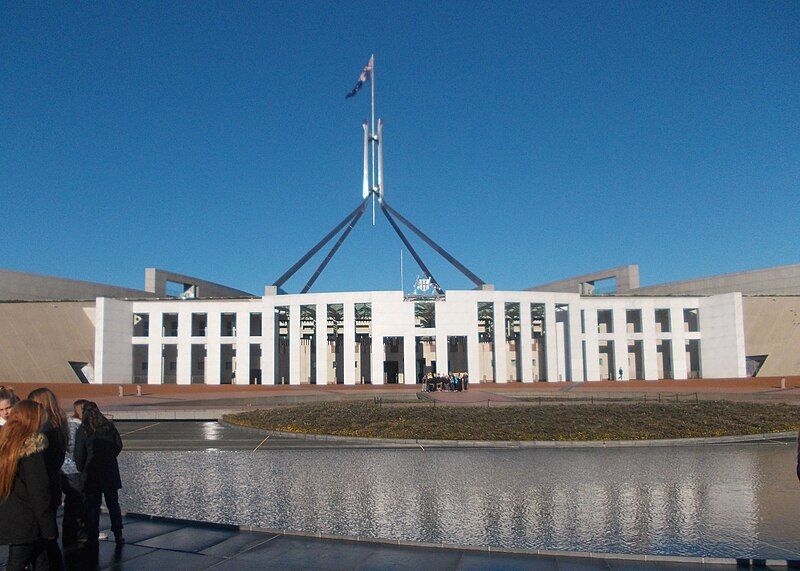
x: 441, y: 355
x: 349, y: 353
x: 526, y: 340
x: 213, y: 351
x: 678, y: 342
x: 649, y: 353
x: 473, y: 358
x: 321, y: 351
x: 575, y: 365
x: 551, y: 341
x: 377, y: 356
x: 154, y: 356
x: 410, y: 358
x: 184, y: 364
x: 242, y: 346
x: 294, y: 344
x: 592, y: 344
x: 620, y: 343
x: 268, y: 344
x: 500, y: 348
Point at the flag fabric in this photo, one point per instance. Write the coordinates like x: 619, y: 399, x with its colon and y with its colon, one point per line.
x: 366, y: 74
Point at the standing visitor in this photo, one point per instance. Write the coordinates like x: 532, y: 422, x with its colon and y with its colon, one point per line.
x: 54, y: 428
x: 27, y: 517
x: 798, y: 455
x: 8, y: 398
x: 97, y: 445
x: 72, y: 485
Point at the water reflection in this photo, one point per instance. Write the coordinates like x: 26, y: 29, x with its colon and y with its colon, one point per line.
x: 725, y: 500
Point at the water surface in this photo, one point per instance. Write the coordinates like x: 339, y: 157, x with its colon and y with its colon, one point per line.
x: 727, y: 500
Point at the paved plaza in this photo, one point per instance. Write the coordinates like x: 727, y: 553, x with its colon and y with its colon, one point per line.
x: 157, y: 544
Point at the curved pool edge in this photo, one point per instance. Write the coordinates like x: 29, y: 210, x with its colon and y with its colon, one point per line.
x: 394, y: 442
x: 570, y: 555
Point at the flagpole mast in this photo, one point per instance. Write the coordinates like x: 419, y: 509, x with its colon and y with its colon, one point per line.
x: 372, y: 132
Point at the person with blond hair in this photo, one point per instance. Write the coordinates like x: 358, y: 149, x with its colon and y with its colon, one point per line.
x: 27, y: 518
x: 8, y: 398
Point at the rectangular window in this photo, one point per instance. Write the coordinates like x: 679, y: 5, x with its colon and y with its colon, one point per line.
x: 169, y: 325
x: 662, y: 321
x: 199, y: 324
x: 691, y: 320
x: 425, y: 314
x: 227, y: 324
x: 485, y: 321
x: 141, y: 324
x: 633, y: 320
x: 605, y: 321
x: 255, y: 324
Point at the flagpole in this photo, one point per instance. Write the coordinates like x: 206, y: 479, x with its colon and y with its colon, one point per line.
x: 372, y: 134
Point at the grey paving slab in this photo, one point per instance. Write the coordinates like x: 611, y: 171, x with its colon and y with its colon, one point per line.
x: 110, y: 554
x: 582, y: 564
x: 239, y: 565
x: 389, y: 557
x: 160, y: 559
x: 191, y: 539
x: 238, y: 543
x: 137, y: 531
x: 298, y: 553
x: 474, y: 561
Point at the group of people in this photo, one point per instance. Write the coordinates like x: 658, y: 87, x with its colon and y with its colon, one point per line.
x: 448, y: 382
x: 43, y: 456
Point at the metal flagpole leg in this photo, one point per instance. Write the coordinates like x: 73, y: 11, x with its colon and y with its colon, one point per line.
x: 301, y: 262
x: 410, y: 248
x: 441, y: 251
x: 335, y: 248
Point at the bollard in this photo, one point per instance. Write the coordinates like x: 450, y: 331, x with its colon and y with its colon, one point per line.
x: 138, y: 390
x: 121, y: 391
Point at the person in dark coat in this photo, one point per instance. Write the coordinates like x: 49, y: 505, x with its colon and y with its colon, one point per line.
x: 97, y: 445
x: 55, y: 429
x: 27, y: 517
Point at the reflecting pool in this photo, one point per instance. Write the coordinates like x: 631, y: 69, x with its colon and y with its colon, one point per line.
x: 724, y: 500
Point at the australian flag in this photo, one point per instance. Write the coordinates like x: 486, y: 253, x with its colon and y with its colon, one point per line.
x: 366, y: 74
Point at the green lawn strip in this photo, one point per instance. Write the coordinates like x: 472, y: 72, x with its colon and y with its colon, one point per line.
x: 553, y: 422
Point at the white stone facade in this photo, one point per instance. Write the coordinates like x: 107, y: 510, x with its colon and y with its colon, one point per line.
x: 580, y: 338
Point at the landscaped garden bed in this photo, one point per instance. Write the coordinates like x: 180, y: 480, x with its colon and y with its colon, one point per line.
x: 555, y: 422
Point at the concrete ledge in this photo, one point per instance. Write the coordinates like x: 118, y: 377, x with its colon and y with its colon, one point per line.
x: 522, y: 443
x: 177, y: 414
x: 679, y: 559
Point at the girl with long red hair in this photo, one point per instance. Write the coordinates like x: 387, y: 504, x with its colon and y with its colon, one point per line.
x: 27, y: 517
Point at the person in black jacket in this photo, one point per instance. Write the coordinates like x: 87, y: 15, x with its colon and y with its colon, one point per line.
x: 97, y: 445
x: 54, y: 427
x: 27, y: 517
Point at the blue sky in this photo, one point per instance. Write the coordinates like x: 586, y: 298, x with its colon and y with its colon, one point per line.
x: 533, y: 140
